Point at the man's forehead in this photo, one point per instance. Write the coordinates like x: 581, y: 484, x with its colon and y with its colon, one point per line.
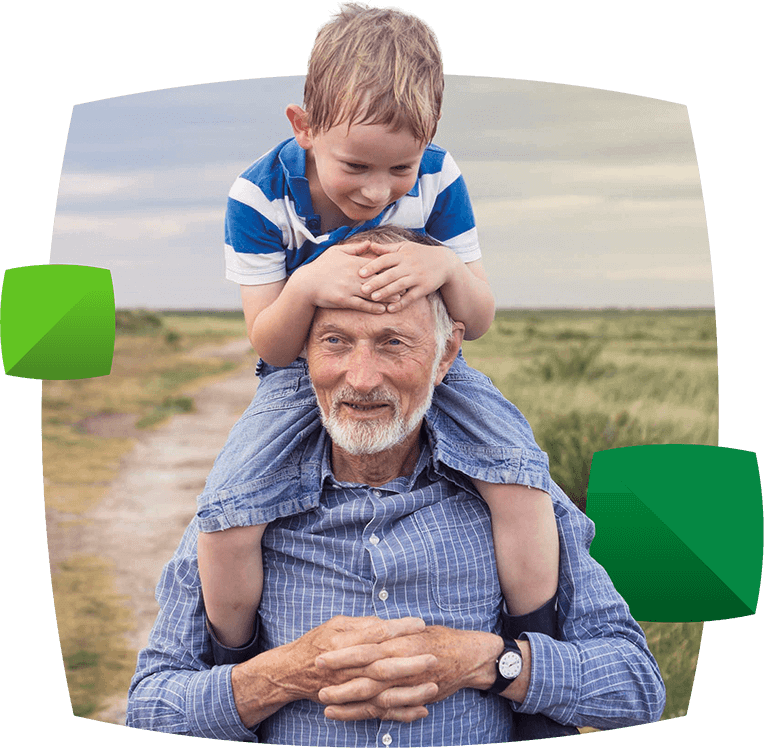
x: 416, y: 317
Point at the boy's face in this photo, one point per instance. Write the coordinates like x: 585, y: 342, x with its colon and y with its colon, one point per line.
x: 360, y: 170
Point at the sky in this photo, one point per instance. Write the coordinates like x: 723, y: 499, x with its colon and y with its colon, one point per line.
x: 583, y: 197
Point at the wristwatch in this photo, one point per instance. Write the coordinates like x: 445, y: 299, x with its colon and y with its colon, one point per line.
x: 508, y: 666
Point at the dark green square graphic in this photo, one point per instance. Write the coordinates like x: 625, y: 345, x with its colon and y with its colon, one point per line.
x: 57, y: 322
x: 679, y: 529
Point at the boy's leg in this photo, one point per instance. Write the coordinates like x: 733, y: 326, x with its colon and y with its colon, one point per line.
x: 231, y: 572
x: 526, y: 543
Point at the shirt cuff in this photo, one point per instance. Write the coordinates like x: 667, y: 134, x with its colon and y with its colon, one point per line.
x: 233, y: 655
x: 211, y: 708
x: 555, y: 679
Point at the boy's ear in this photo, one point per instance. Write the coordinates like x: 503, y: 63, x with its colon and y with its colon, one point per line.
x: 298, y: 118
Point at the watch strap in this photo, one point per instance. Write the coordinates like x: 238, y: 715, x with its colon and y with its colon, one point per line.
x: 501, y: 683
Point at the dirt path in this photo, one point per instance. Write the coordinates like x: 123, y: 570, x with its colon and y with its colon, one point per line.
x: 141, y: 518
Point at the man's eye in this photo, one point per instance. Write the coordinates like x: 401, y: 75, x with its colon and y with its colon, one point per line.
x: 394, y: 342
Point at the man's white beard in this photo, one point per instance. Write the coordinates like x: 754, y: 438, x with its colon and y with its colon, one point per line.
x: 371, y: 437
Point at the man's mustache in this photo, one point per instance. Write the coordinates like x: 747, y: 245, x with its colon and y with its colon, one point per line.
x: 379, y: 395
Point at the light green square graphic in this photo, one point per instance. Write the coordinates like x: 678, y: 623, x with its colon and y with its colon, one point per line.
x: 57, y: 322
x: 679, y: 529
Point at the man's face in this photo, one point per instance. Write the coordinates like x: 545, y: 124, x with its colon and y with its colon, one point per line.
x: 373, y: 374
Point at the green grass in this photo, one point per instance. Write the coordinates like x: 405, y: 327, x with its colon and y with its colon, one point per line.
x: 593, y: 380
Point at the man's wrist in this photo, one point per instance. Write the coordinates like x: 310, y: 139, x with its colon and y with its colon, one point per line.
x: 485, y: 676
x: 257, y: 695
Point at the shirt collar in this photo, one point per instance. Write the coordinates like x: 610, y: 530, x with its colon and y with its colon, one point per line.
x: 292, y: 159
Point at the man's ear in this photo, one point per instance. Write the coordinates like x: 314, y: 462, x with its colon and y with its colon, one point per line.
x: 298, y: 118
x: 451, y: 352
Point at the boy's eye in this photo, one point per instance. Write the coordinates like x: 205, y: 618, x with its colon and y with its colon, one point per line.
x: 355, y: 167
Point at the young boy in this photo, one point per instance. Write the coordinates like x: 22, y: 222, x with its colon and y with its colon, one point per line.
x: 361, y: 157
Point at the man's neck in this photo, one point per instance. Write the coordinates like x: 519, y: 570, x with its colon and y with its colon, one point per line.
x: 377, y: 469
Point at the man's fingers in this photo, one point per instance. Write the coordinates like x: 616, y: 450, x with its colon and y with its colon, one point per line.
x: 400, y: 703
x: 371, y: 630
x: 363, y: 682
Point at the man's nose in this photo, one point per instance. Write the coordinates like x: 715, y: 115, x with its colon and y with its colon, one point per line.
x: 363, y: 373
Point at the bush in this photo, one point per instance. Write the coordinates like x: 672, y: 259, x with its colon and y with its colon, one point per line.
x: 137, y: 321
x: 574, y: 363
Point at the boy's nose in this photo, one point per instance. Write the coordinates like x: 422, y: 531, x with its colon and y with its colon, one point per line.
x: 376, y: 192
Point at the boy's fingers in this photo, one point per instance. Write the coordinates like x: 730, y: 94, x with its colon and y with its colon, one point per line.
x: 362, y: 305
x: 384, y: 249
x: 354, y: 248
x: 372, y: 267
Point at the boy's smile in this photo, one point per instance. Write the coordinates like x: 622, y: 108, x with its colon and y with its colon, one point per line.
x: 356, y: 172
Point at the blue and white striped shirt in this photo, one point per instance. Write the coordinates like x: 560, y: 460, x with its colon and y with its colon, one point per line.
x: 421, y: 545
x: 271, y: 228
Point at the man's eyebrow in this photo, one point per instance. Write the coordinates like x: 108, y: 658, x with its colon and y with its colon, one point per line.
x: 397, y: 332
x: 322, y: 328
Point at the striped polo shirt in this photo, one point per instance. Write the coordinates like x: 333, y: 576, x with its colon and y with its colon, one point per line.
x: 271, y: 228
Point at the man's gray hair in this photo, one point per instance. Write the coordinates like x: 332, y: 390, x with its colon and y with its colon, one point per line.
x: 444, y: 325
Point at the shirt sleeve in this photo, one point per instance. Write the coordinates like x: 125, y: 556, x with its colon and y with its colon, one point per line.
x: 451, y: 220
x: 176, y: 688
x: 254, y: 241
x: 601, y: 673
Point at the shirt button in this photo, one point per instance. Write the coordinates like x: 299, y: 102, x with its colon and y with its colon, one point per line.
x: 383, y: 595
x: 374, y: 540
x: 377, y: 493
x: 387, y: 738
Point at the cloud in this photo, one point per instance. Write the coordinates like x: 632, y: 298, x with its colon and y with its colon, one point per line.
x: 139, y: 226
x: 98, y: 190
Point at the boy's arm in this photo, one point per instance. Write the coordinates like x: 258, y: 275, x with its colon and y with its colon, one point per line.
x: 416, y: 270
x: 279, y: 315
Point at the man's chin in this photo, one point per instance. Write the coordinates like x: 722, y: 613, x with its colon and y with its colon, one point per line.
x: 365, y: 437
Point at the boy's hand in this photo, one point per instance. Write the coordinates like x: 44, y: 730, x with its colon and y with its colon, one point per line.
x: 405, y: 270
x: 332, y: 280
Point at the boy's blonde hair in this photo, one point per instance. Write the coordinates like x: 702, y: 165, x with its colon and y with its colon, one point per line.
x: 377, y: 66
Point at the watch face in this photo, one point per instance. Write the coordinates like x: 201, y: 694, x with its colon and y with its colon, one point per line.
x: 510, y: 665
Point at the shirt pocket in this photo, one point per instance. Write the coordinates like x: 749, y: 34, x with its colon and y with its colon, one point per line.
x: 456, y: 536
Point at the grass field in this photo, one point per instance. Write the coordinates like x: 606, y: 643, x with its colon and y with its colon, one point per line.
x: 586, y: 381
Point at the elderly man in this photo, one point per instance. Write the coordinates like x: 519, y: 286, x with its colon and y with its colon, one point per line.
x: 400, y: 546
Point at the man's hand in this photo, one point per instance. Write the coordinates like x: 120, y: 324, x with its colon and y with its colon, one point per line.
x: 464, y: 659
x: 289, y: 673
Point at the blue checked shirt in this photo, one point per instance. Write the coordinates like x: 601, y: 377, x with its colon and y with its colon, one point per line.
x: 419, y: 546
